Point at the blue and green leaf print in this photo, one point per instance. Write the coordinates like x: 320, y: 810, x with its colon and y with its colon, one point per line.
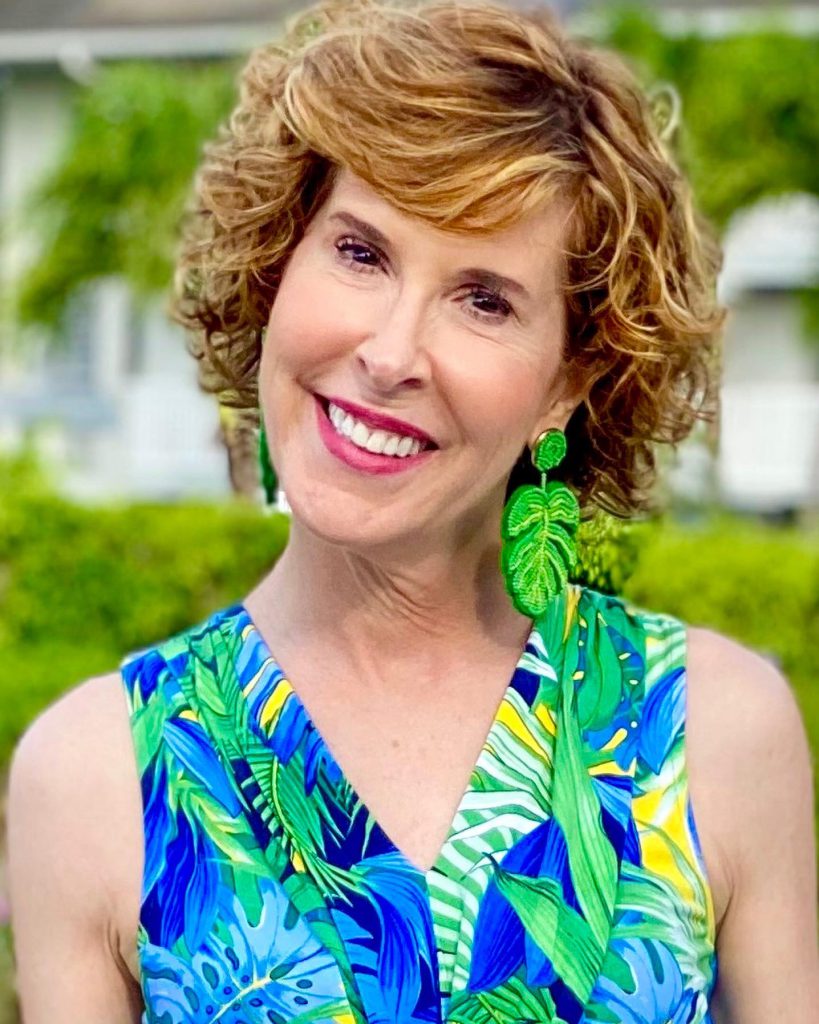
x: 569, y: 889
x: 274, y: 969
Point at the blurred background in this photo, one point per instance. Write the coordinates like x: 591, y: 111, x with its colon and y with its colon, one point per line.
x: 130, y: 502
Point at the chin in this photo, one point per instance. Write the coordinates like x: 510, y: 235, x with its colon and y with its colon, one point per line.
x: 340, y: 518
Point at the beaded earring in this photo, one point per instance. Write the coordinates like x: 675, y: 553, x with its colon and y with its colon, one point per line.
x: 538, y: 529
x: 267, y: 473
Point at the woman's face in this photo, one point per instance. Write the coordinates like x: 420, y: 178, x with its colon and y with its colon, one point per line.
x: 456, y: 337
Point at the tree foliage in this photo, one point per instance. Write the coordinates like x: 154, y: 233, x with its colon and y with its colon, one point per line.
x: 750, y: 107
x: 112, y: 204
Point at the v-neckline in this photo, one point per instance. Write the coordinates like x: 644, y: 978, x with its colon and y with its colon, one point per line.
x: 521, y: 681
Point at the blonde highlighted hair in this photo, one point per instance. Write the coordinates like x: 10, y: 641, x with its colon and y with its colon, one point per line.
x: 469, y: 115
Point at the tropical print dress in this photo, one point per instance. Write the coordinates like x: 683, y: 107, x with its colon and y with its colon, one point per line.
x: 570, y: 888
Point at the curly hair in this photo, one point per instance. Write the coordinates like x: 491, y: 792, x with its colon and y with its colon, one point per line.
x: 469, y: 115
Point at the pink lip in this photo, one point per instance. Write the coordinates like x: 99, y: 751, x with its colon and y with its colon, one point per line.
x: 357, y: 458
x: 379, y: 421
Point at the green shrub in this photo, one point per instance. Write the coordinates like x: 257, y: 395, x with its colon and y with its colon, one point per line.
x: 756, y: 583
x: 82, y: 587
x: 126, y: 576
x: 34, y: 675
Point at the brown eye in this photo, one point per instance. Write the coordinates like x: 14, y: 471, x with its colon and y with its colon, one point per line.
x: 489, y: 306
x: 356, y: 254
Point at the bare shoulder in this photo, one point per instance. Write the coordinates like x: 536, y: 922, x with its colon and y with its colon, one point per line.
x: 76, y: 761
x: 747, y: 755
x: 80, y: 743
x: 742, y: 691
x: 73, y: 788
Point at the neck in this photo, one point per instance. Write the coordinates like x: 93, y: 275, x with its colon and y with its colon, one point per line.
x: 426, y: 609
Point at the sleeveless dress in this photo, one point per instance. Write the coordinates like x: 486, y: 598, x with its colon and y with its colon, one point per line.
x: 570, y: 888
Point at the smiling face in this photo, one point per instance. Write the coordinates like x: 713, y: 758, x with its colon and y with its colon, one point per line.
x: 457, y: 336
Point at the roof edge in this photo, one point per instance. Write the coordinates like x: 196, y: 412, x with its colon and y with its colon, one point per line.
x: 56, y: 46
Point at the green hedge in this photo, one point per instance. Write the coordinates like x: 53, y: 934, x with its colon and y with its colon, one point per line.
x: 79, y: 588
x: 757, y: 583
x: 125, y: 576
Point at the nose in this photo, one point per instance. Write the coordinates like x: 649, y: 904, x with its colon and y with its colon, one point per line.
x: 394, y: 352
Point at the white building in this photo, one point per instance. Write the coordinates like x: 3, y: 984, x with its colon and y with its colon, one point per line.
x: 117, y: 407
x: 769, y: 438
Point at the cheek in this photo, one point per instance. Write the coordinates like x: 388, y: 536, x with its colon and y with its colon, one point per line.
x: 498, y: 393
x: 314, y: 323
x: 297, y: 332
x: 316, y: 319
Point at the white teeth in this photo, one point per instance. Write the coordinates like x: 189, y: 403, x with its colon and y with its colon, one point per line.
x: 341, y: 421
x: 376, y: 441
x: 360, y: 435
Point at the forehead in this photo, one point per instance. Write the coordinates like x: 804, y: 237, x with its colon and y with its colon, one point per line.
x: 532, y: 245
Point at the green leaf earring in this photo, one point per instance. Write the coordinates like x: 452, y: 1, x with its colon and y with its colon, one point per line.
x: 538, y: 530
x: 270, y: 482
x: 268, y: 474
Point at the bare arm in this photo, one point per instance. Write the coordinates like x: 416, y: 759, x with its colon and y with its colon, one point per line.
x: 755, y: 763
x: 65, y: 835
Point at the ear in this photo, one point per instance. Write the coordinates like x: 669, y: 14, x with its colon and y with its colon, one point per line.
x: 563, y: 404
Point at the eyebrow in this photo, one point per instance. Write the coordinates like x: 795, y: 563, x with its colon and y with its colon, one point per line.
x: 488, y: 278
x: 495, y: 282
x: 362, y: 227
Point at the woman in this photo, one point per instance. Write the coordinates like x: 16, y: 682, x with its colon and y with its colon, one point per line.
x: 416, y: 775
